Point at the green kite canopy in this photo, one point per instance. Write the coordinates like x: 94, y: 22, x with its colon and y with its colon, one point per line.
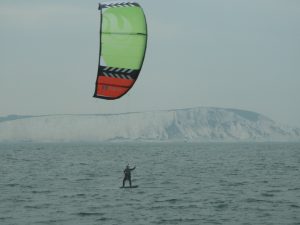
x: 123, y: 41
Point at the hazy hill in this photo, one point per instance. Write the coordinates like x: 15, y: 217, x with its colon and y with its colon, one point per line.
x: 195, y: 124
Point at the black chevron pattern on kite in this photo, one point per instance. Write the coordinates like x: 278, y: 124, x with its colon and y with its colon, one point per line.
x: 120, y: 76
x: 121, y: 73
x: 119, y: 4
x: 116, y: 70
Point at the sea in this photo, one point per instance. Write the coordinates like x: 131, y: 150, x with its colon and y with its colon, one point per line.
x: 178, y: 183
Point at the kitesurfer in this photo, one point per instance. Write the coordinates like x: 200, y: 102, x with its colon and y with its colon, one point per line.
x: 127, y: 174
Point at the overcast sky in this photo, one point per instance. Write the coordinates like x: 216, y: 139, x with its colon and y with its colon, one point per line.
x: 241, y: 54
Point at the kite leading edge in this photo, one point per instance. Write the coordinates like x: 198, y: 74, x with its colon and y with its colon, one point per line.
x: 123, y: 41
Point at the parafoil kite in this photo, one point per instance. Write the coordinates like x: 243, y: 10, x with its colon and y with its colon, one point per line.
x: 123, y: 41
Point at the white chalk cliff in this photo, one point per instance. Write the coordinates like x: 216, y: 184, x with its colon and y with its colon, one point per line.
x: 195, y: 124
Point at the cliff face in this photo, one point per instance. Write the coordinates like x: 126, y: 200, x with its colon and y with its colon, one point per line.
x: 195, y: 124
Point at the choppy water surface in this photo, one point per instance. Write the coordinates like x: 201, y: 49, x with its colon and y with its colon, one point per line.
x: 179, y: 183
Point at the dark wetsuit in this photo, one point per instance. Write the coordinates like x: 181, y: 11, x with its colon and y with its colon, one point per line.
x: 127, y: 175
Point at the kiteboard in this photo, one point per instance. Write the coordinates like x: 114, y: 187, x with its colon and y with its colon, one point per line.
x: 133, y: 186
